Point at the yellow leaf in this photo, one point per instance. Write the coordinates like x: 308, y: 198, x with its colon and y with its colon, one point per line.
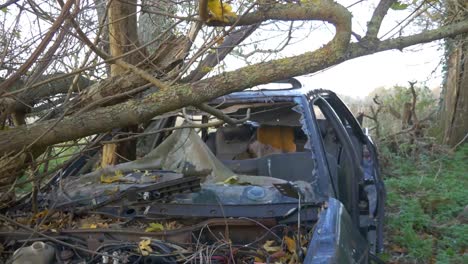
x: 258, y: 259
x: 110, y: 179
x: 290, y: 244
x: 89, y: 226
x: 94, y: 225
x: 231, y: 180
x: 145, y: 247
x: 220, y: 11
x: 154, y: 227
x: 268, y: 246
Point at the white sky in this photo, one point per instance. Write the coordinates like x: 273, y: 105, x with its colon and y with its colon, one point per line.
x: 360, y: 76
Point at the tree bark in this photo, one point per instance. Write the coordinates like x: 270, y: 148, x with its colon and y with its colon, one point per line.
x: 455, y: 105
x: 152, y: 24
x: 122, y: 39
x: 455, y: 100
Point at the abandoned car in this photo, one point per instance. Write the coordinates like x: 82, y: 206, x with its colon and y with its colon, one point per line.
x: 288, y: 176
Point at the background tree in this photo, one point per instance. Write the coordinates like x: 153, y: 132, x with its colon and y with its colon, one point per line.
x: 455, y: 99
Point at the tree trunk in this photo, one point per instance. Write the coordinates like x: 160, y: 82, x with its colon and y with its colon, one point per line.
x: 455, y: 105
x: 455, y: 108
x: 152, y: 25
x: 122, y: 39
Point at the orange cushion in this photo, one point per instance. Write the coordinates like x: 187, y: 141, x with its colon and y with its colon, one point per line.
x: 279, y: 137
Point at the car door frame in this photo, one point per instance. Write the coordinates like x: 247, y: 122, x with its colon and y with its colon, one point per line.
x: 343, y: 112
x: 351, y: 202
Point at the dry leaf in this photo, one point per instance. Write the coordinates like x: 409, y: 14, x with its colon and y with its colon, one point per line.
x: 94, y: 225
x: 290, y: 244
x: 231, y: 180
x: 154, y: 227
x: 268, y: 246
x: 258, y: 260
x: 172, y: 225
x: 145, y: 247
x: 111, y: 179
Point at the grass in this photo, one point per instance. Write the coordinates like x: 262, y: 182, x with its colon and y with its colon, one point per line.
x: 59, y: 155
x: 425, y: 201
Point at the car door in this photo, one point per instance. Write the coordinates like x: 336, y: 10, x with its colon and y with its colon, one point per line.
x: 343, y: 165
x: 372, y: 188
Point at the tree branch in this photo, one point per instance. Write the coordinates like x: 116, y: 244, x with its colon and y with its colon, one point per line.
x: 45, y: 41
x: 380, y: 12
x: 220, y: 115
x: 137, y: 111
x: 232, y: 40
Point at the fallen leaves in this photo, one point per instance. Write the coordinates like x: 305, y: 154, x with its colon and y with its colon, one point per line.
x: 231, y: 180
x: 234, y: 180
x: 282, y: 252
x: 145, y: 247
x: 93, y: 222
x: 94, y: 225
x: 154, y: 227
x: 268, y: 246
x: 158, y: 227
x: 118, y: 177
x: 290, y: 244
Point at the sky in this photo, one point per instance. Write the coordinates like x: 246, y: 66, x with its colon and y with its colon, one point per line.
x: 360, y: 76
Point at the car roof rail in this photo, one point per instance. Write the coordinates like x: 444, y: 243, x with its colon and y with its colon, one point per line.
x: 293, y: 81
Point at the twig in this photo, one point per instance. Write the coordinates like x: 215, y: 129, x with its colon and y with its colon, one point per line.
x: 220, y: 115
x: 415, y: 99
x: 207, y: 125
x: 8, y: 3
x: 45, y: 41
x: 459, y: 143
x: 438, y: 171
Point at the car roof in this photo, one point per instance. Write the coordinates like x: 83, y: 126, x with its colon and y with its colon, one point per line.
x: 262, y: 94
x: 282, y: 94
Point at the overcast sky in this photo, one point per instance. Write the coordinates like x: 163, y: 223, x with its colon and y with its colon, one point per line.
x: 360, y: 76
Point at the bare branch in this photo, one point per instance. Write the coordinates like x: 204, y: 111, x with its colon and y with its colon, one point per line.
x: 137, y: 111
x: 8, y: 3
x: 220, y: 115
x: 232, y: 40
x: 24, y: 67
x: 377, y: 17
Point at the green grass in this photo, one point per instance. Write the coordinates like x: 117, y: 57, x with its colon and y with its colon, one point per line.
x: 424, y: 200
x: 59, y: 155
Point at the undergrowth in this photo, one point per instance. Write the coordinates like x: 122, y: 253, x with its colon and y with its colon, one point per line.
x: 426, y: 219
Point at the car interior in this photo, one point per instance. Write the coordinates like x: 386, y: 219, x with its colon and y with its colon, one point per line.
x: 272, y: 143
